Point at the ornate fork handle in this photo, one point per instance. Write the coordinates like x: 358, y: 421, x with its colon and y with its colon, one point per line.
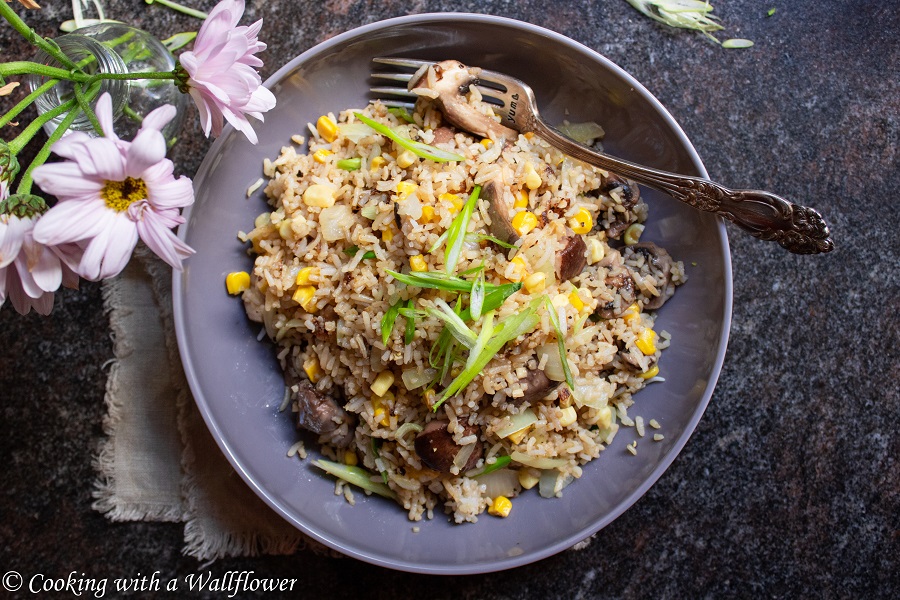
x: 799, y: 229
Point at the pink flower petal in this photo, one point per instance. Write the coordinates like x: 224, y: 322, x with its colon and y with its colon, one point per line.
x: 65, y: 180
x: 147, y: 149
x: 176, y: 193
x: 105, y: 115
x: 72, y: 221
x: 162, y: 241
x: 108, y: 253
x: 159, y: 117
x: 47, y: 273
x: 12, y: 235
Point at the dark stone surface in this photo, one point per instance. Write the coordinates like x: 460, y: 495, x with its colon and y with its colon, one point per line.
x: 790, y: 485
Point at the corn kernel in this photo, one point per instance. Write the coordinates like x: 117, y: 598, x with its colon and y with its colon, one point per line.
x: 596, y: 251
x: 524, y: 222
x: 350, y: 458
x: 576, y: 301
x: 532, y: 178
x: 604, y: 418
x: 319, y: 194
x: 500, y: 507
x: 377, y: 163
x: 631, y: 313
x: 487, y: 143
x: 559, y: 301
x: 430, y: 396
x: 632, y: 235
x: 568, y: 416
x: 646, y: 342
x: 427, y: 214
x: 320, y: 155
x: 417, y: 263
x: 304, y: 297
x: 312, y: 369
x: 517, y: 437
x: 381, y: 384
x: 284, y: 229
x: 454, y: 200
x: 405, y: 188
x: 306, y: 274
x: 529, y: 135
x: 380, y: 404
x: 520, y: 269
x: 536, y: 282
x: 327, y: 128
x: 521, y: 200
x: 405, y: 159
x: 651, y: 373
x: 527, y: 479
x: 237, y: 282
x: 582, y: 221
x: 387, y: 235
x: 262, y: 219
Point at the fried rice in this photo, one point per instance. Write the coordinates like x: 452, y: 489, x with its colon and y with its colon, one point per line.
x: 368, y: 358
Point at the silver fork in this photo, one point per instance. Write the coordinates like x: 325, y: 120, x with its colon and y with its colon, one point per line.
x: 799, y: 229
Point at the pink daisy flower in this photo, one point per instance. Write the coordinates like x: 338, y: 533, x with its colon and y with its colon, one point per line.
x: 112, y: 192
x: 222, y: 71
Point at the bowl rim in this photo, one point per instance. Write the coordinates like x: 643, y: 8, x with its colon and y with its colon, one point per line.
x: 503, y: 562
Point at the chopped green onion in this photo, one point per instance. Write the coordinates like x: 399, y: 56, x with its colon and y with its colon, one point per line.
x: 418, y: 148
x: 410, y: 331
x: 560, y: 342
x: 356, y: 476
x: 476, y: 299
x: 493, y: 298
x: 479, y: 237
x: 401, y: 113
x: 509, y: 329
x: 406, y: 428
x: 453, y: 322
x: 440, y: 240
x: 376, y: 452
x: 501, y: 462
x: 771, y: 12
x: 685, y: 14
x: 352, y: 250
x: 349, y: 164
x: 387, y: 321
x: 436, y: 280
x: 456, y: 234
x: 737, y: 43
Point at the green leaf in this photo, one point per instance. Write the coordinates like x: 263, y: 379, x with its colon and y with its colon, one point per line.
x: 418, y: 148
x: 737, y: 43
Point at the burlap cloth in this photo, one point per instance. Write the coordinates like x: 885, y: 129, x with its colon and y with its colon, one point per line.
x: 158, y: 461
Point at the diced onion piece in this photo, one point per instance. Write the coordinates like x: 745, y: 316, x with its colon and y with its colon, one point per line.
x: 552, y: 482
x: 354, y: 131
x: 538, y: 462
x: 406, y: 428
x: 416, y: 378
x: 584, y: 133
x: 370, y: 212
x: 462, y: 457
x: 553, y: 367
x: 503, y: 482
x: 517, y: 423
x: 335, y: 222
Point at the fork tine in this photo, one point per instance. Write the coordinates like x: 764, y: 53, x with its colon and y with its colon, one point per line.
x: 402, y: 62
x: 404, y: 77
x: 393, y: 91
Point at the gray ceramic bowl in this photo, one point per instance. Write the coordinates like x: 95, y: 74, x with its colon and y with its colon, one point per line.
x: 235, y: 379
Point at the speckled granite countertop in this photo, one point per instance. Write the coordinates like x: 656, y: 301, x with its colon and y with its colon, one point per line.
x: 790, y: 486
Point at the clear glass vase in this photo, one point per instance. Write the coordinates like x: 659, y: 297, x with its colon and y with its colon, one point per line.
x: 115, y: 48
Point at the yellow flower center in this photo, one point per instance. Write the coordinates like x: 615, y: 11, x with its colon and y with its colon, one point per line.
x: 119, y: 195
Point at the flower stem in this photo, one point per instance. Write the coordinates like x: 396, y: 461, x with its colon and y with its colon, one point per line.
x: 33, y: 38
x: 15, y: 110
x: 44, y: 153
x: 23, y: 138
x: 147, y: 75
x: 85, y: 104
x: 180, y: 8
x: 24, y: 67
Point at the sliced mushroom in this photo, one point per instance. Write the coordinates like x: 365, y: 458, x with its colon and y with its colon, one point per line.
x: 660, y: 263
x: 442, y: 134
x: 437, y: 449
x: 631, y: 193
x: 624, y: 295
x: 628, y: 358
x: 320, y: 413
x: 570, y: 261
x: 446, y: 84
x: 536, y: 385
x: 499, y: 210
